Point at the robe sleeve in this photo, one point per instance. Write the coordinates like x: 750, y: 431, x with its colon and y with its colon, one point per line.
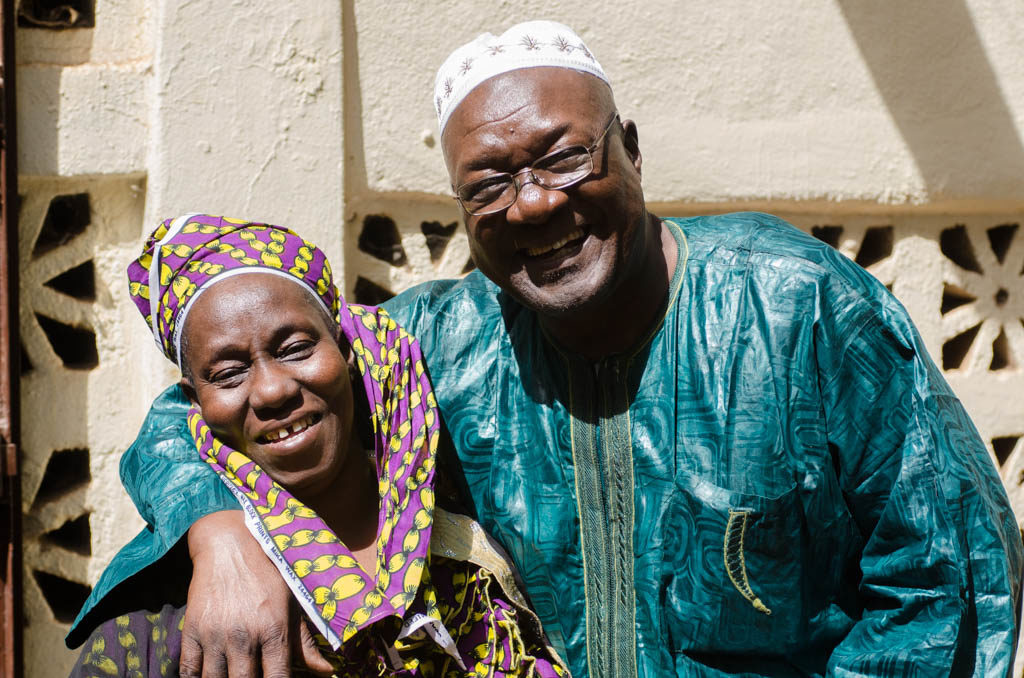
x: 941, y: 565
x: 170, y: 485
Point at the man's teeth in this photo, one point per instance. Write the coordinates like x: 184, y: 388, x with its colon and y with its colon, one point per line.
x: 297, y: 427
x: 537, y: 251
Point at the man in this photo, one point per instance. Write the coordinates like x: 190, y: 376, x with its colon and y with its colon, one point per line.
x: 713, y: 446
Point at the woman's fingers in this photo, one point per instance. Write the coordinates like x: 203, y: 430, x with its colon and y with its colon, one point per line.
x: 238, y: 652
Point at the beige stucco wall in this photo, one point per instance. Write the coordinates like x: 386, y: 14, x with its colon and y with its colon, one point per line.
x: 316, y: 114
x: 905, y: 103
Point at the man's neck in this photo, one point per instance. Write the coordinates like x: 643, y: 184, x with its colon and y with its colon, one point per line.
x: 604, y: 329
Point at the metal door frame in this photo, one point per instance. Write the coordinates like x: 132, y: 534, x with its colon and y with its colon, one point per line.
x: 11, y: 655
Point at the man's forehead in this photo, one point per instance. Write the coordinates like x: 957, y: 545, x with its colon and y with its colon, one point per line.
x: 543, y: 92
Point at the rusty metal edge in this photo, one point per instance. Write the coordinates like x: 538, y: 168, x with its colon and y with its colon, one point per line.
x: 11, y: 647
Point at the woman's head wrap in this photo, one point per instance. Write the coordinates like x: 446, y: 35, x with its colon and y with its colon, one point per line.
x: 184, y: 256
x: 526, y: 45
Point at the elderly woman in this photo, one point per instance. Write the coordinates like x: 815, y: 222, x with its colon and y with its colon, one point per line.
x: 321, y: 420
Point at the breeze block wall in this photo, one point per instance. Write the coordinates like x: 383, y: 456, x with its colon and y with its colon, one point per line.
x: 891, y: 131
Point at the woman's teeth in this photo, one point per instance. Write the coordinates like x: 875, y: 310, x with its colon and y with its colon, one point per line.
x: 544, y: 249
x: 282, y: 433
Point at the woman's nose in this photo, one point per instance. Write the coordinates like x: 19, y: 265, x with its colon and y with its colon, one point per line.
x: 272, y: 386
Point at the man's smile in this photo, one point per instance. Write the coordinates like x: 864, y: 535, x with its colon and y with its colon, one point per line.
x: 541, y: 250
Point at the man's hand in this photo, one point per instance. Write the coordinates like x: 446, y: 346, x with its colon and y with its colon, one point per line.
x: 241, y: 618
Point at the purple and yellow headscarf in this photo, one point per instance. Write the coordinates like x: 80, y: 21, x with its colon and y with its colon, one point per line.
x: 184, y: 256
x: 182, y: 259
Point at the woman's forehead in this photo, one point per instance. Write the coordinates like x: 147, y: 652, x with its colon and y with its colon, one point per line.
x: 250, y: 300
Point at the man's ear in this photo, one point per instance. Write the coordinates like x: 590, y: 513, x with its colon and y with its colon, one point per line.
x: 189, y: 389
x: 631, y: 142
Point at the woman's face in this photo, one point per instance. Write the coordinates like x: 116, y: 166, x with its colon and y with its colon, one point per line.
x: 271, y: 381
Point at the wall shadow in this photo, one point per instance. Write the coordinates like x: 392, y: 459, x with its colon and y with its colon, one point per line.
x: 930, y: 67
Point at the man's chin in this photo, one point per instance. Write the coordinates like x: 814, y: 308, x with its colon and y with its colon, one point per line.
x: 562, y: 300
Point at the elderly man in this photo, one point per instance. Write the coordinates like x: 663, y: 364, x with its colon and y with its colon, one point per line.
x: 713, y: 446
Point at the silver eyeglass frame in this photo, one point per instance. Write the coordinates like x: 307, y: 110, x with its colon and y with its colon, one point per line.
x: 517, y: 183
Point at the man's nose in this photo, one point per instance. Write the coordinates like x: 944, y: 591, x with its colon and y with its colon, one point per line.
x: 535, y: 204
x: 272, y: 386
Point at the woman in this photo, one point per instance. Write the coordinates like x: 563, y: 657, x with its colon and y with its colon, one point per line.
x: 392, y: 585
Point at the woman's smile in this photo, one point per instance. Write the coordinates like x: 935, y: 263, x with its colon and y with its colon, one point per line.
x: 272, y: 381
x: 289, y: 432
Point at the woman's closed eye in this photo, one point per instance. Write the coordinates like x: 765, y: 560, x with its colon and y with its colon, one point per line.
x: 227, y: 375
x: 297, y: 350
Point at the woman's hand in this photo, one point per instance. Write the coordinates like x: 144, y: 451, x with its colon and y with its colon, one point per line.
x: 241, y: 619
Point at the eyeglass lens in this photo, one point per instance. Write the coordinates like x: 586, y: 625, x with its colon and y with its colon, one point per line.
x: 559, y: 169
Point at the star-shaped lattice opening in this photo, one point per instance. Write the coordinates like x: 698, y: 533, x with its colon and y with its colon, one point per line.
x: 389, y: 257
x: 78, y: 282
x: 70, y: 302
x: 370, y: 293
x: 66, y: 471
x: 66, y: 218
x: 74, y: 535
x: 983, y: 298
x: 1008, y: 451
x: 56, y: 14
x: 56, y: 262
x: 75, y: 346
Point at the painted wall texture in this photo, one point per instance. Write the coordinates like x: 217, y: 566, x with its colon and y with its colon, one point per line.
x: 893, y: 131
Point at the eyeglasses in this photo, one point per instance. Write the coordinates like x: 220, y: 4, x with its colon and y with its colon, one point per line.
x: 558, y: 169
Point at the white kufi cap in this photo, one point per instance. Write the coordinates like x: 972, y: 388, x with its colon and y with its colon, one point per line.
x: 525, y: 45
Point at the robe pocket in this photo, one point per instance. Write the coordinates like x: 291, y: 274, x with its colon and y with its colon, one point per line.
x: 736, y: 567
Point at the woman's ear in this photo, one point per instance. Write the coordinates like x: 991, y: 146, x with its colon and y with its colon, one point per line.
x: 349, y: 354
x: 189, y: 389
